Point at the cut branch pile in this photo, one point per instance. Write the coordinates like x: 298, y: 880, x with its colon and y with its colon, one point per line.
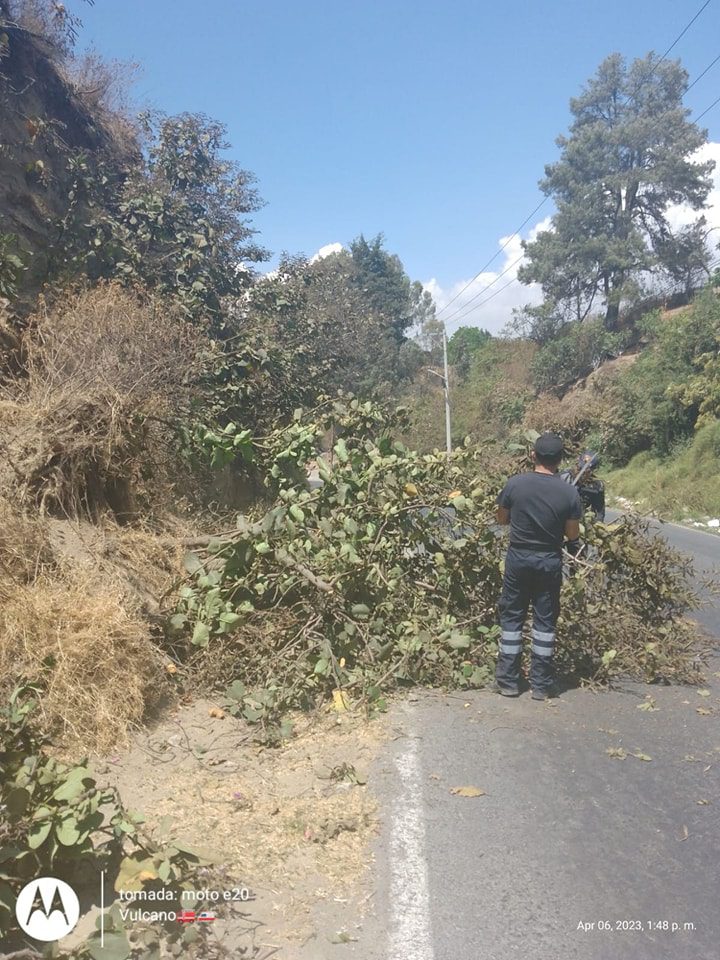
x: 389, y: 575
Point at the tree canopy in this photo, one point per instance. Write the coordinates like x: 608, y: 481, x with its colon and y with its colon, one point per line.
x: 175, y: 220
x: 463, y: 344
x: 386, y: 288
x: 628, y: 157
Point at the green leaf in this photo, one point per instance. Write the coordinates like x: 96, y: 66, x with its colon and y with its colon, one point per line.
x: 16, y: 801
x: 68, y: 831
x: 459, y: 641
x: 230, y: 619
x: 236, y: 690
x: 38, y: 833
x: 201, y: 634
x: 116, y: 947
x: 77, y: 781
x: 9, y: 852
x: 192, y: 563
x: 177, y: 621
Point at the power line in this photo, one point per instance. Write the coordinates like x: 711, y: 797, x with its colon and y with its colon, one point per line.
x: 681, y: 35
x: 494, y: 256
x: 708, y: 109
x: 709, y: 67
x: 459, y: 312
x: 545, y: 199
x: 482, y: 303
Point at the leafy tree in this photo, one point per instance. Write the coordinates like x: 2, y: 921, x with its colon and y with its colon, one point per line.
x: 701, y: 391
x: 176, y: 220
x: 686, y: 255
x: 387, y: 289
x: 626, y: 159
x: 539, y: 324
x: 330, y: 331
x: 576, y: 352
x: 463, y: 344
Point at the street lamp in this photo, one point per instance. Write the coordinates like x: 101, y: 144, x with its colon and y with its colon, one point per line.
x: 446, y: 390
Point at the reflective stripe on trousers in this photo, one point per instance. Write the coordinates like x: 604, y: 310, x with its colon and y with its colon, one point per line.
x: 531, y: 578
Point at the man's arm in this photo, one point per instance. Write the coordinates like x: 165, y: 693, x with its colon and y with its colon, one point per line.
x: 504, y: 504
x: 502, y: 515
x: 572, y: 529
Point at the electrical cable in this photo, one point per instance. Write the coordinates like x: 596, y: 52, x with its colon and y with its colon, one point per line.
x: 462, y: 307
x: 709, y: 67
x: 707, y: 109
x: 460, y: 311
x: 494, y: 256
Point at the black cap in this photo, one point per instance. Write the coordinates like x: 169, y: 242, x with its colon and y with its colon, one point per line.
x: 548, y: 445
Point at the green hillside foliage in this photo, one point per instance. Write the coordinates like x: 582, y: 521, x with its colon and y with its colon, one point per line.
x: 578, y: 350
x: 687, y: 483
x: 672, y: 387
x: 486, y: 403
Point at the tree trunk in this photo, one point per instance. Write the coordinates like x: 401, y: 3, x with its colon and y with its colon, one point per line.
x: 612, y: 316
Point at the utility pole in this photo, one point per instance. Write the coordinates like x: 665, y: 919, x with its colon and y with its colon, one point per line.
x: 446, y: 391
x: 447, y: 395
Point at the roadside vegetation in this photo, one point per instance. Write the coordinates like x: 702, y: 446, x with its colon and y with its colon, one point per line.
x: 161, y: 405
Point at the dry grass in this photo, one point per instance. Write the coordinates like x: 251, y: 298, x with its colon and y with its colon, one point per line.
x: 572, y: 417
x: 24, y: 547
x: 76, y: 606
x: 86, y: 431
x: 94, y: 660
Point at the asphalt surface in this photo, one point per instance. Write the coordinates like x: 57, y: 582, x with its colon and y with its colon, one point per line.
x: 571, y: 853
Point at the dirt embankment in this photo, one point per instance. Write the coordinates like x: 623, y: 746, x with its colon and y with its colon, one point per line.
x: 44, y: 123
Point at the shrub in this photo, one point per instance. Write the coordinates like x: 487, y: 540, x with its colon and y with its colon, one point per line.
x: 578, y: 350
x: 88, y: 428
x: 658, y: 400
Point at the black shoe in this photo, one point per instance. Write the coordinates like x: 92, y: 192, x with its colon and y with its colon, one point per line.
x: 507, y: 691
x: 541, y: 694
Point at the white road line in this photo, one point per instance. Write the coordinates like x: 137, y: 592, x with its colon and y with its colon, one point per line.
x: 410, y: 934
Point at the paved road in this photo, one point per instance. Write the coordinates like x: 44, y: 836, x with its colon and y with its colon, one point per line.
x: 565, y: 836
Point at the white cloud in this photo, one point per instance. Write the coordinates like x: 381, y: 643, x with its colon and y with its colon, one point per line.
x: 474, y: 308
x: 680, y: 215
x: 327, y: 251
x: 490, y: 298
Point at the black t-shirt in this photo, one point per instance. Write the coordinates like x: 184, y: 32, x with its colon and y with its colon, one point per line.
x: 539, y: 505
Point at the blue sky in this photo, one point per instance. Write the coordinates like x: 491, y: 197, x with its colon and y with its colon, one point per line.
x: 430, y: 122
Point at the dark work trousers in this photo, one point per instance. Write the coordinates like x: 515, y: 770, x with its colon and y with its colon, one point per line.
x: 531, y: 577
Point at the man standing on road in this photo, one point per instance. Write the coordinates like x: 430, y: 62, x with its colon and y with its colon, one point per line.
x: 541, y: 509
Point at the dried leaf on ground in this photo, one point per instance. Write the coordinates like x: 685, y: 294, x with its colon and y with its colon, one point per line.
x: 467, y: 792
